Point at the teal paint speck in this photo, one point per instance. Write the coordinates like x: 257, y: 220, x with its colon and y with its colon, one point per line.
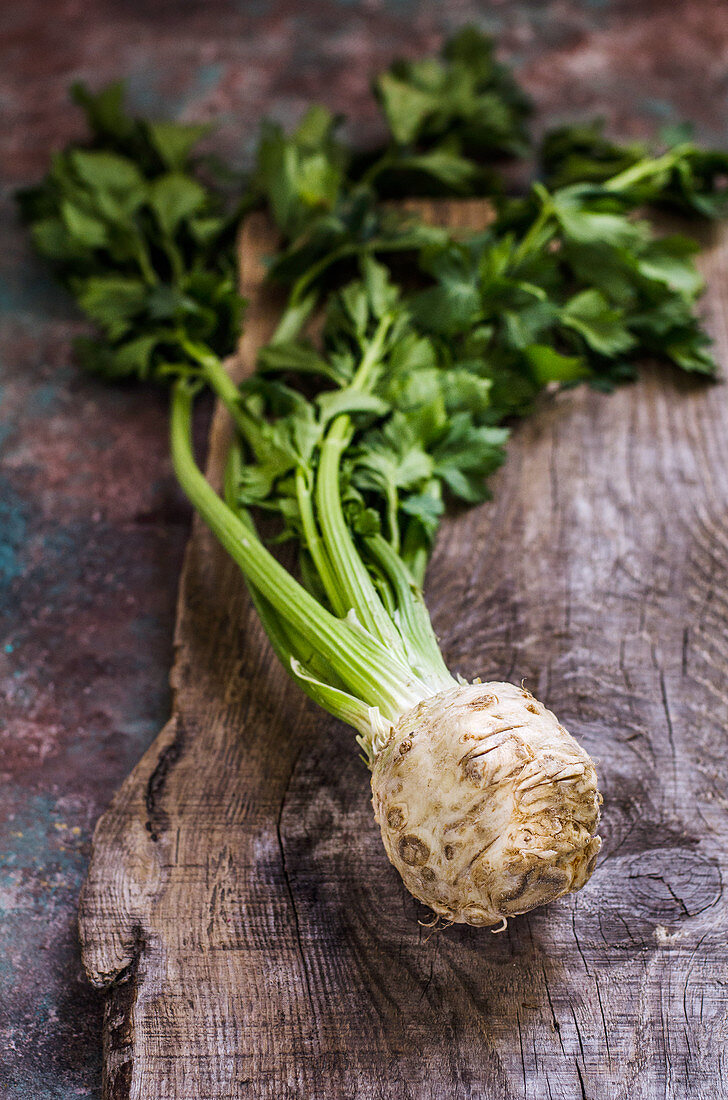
x: 13, y: 527
x: 44, y: 398
x: 658, y: 108
x: 6, y: 429
x: 207, y: 78
x: 9, y: 647
x: 146, y: 95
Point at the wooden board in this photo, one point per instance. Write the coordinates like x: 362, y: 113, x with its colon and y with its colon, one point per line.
x: 239, y: 906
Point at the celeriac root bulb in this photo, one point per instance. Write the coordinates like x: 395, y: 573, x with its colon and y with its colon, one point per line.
x: 487, y: 806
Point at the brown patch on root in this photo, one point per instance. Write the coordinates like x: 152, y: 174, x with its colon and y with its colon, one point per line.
x: 413, y: 851
x: 396, y: 818
x: 484, y: 703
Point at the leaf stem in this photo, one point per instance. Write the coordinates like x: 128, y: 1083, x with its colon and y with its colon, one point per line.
x: 645, y: 168
x: 412, y: 616
x: 314, y: 542
x: 304, y: 281
x: 145, y: 264
x: 392, y: 512
x: 353, y: 581
x: 380, y: 165
x: 535, y: 231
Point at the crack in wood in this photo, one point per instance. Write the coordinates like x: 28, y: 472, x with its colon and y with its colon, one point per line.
x: 158, y: 819
x: 289, y: 885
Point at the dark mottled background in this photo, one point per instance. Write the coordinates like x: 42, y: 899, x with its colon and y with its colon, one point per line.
x: 91, y: 526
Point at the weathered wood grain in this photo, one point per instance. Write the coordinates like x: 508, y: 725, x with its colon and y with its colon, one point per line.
x: 239, y: 903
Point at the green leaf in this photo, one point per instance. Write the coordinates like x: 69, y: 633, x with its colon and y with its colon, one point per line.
x: 351, y: 401
x: 315, y: 128
x: 467, y: 455
x: 134, y: 357
x: 475, y: 51
x: 104, y: 111
x: 602, y: 327
x: 306, y: 432
x: 294, y: 318
x: 111, y: 299
x: 52, y: 239
x: 528, y: 324
x: 549, y: 365
x: 448, y: 308
x: 404, y: 105
x: 356, y: 306
x: 167, y: 303
x: 382, y: 292
x: 363, y: 521
x: 298, y: 358
x: 174, y: 141
x: 466, y: 391
x: 610, y: 270
x: 462, y: 104
x: 83, y: 227
x: 454, y: 172
x: 427, y: 508
x: 392, y: 457
x: 317, y: 181
x: 100, y: 170
x: 174, y: 198
x: 410, y: 355
x: 205, y: 230
x: 587, y: 225
x: 670, y: 260
x: 691, y: 355
x: 301, y: 174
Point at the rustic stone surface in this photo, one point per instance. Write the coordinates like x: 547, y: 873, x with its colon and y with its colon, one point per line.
x: 92, y: 529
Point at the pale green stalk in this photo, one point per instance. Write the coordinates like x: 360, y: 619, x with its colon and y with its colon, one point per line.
x: 352, y: 578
